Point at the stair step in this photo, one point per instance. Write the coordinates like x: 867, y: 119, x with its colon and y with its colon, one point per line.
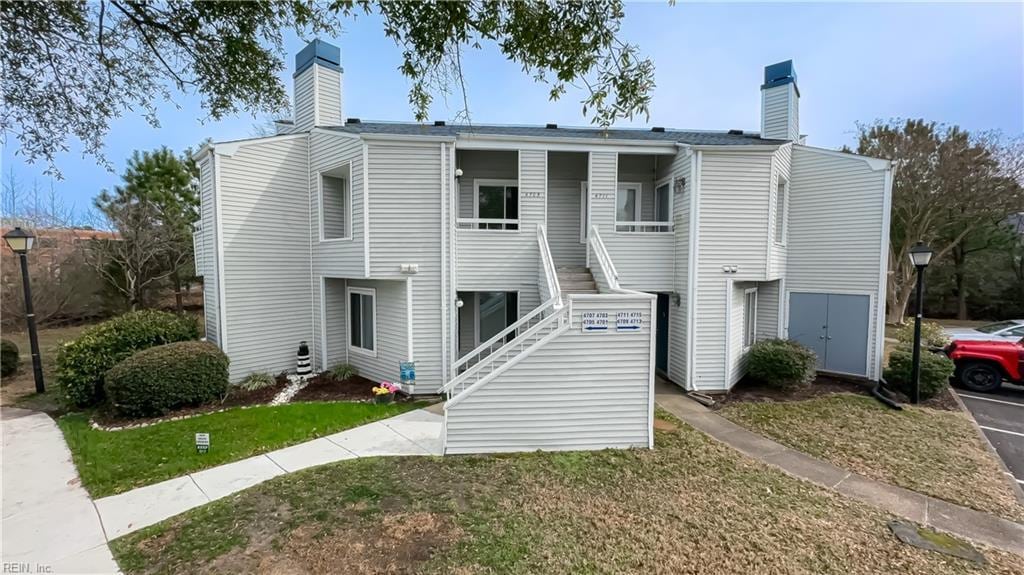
x: 572, y: 291
x: 575, y: 276
x: 573, y: 269
x: 578, y: 285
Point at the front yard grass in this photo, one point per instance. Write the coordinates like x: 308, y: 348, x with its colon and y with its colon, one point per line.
x: 689, y: 506
x: 110, y: 462
x: 934, y: 452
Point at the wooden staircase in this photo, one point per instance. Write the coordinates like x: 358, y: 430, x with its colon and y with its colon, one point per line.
x: 576, y: 279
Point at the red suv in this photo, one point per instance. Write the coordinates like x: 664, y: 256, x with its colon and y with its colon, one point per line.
x: 983, y: 365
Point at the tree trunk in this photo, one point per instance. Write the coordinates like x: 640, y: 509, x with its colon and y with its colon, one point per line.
x: 959, y: 276
x: 898, y: 306
x: 179, y: 305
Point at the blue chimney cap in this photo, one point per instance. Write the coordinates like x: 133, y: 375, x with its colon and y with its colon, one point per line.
x: 779, y: 75
x: 318, y: 52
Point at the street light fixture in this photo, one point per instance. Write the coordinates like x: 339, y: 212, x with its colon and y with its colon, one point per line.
x: 920, y: 256
x: 20, y: 243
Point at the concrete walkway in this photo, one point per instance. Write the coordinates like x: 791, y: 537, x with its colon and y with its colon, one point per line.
x: 961, y: 521
x: 411, y: 433
x: 49, y: 523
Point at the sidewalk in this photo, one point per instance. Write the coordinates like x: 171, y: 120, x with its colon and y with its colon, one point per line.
x: 961, y: 521
x: 49, y: 523
x: 411, y: 433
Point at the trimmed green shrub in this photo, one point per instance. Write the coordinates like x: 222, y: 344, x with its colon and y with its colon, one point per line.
x: 936, y: 369
x: 257, y: 380
x: 157, y: 380
x: 932, y: 334
x: 344, y: 371
x: 8, y: 357
x: 82, y: 363
x: 781, y: 363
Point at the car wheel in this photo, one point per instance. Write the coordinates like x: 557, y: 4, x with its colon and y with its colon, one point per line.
x: 980, y: 377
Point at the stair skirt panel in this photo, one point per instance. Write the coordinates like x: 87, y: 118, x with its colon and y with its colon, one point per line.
x: 581, y: 390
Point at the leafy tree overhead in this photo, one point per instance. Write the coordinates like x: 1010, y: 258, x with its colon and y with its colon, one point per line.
x: 152, y: 212
x: 69, y: 68
x: 948, y: 185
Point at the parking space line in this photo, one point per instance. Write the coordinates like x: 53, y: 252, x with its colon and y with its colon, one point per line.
x: 992, y: 400
x: 1017, y: 433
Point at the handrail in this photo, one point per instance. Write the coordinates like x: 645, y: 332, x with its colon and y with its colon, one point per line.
x: 503, y: 333
x: 604, y: 259
x: 548, y: 263
x: 477, y: 367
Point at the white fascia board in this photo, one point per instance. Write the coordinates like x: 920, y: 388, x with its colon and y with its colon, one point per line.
x: 737, y: 147
x: 414, y: 138
x: 876, y: 164
x: 230, y: 148
x: 348, y: 135
x: 466, y: 141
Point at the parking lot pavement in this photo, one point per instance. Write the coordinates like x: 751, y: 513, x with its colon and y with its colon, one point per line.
x: 1001, y: 416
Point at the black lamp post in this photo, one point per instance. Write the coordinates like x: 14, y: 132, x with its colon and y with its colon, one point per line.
x: 20, y: 243
x: 920, y: 255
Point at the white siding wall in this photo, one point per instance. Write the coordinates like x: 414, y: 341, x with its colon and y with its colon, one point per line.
x: 781, y: 162
x: 335, y: 258
x: 405, y: 228
x: 645, y: 261
x: 264, y: 189
x: 733, y: 217
x: 678, y: 329
x: 335, y: 323
x: 505, y: 260
x: 304, y: 99
x: 768, y: 310
x: 566, y: 172
x: 781, y: 111
x: 578, y: 391
x: 211, y: 277
x: 836, y: 218
x: 390, y: 332
x: 329, y: 97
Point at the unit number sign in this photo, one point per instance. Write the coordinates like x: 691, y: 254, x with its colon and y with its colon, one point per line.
x: 600, y: 321
x: 628, y: 321
x: 595, y: 321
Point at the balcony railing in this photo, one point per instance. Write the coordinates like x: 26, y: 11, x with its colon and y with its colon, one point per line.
x: 487, y: 224
x: 643, y: 227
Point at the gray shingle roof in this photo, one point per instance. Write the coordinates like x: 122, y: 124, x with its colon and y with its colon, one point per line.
x: 699, y: 138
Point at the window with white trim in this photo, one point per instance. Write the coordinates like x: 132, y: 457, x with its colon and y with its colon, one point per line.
x: 749, y: 317
x: 335, y: 204
x: 496, y: 204
x: 632, y: 201
x: 494, y: 312
x: 781, y: 191
x: 362, y: 320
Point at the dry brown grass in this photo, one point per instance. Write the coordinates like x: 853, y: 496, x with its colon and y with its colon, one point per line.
x: 690, y: 506
x: 20, y: 387
x: 937, y: 453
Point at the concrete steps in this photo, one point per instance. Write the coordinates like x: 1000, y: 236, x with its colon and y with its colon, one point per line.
x: 576, y: 280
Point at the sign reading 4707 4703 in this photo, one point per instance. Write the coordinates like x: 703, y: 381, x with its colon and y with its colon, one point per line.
x: 595, y: 322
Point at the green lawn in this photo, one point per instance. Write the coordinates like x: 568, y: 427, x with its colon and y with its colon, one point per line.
x: 934, y: 452
x: 110, y: 462
x: 689, y: 506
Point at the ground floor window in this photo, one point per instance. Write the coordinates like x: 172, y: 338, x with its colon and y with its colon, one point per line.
x: 749, y: 317
x: 495, y: 312
x: 362, y: 323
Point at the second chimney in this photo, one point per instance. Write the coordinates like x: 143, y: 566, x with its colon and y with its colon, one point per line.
x: 780, y: 103
x: 317, y: 84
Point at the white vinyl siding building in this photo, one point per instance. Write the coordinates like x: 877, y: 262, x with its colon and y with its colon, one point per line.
x: 538, y: 276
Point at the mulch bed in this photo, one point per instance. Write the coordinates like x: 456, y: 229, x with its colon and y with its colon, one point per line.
x: 750, y: 391
x: 323, y: 387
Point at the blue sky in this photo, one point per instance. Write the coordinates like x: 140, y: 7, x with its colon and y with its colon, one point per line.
x: 954, y: 63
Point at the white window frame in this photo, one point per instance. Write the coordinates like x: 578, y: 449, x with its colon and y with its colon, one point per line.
x: 752, y: 331
x: 781, y: 209
x: 372, y: 292
x: 584, y: 211
x: 477, y: 183
x: 320, y: 199
x: 639, y: 226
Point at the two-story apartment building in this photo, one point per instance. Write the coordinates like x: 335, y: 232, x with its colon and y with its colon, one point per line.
x: 539, y: 275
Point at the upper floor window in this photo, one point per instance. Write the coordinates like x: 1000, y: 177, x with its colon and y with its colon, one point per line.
x: 782, y: 187
x: 643, y: 210
x: 335, y: 204
x: 496, y: 204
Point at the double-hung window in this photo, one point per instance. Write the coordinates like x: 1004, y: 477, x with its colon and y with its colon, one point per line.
x: 362, y: 320
x: 780, y: 210
x: 496, y: 204
x: 336, y: 203
x: 749, y: 317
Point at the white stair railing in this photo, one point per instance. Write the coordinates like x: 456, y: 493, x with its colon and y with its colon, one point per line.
x: 605, y: 264
x: 548, y: 273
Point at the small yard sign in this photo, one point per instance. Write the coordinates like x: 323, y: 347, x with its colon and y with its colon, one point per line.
x: 595, y: 321
x: 202, y: 442
x: 408, y: 372
x: 629, y: 320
